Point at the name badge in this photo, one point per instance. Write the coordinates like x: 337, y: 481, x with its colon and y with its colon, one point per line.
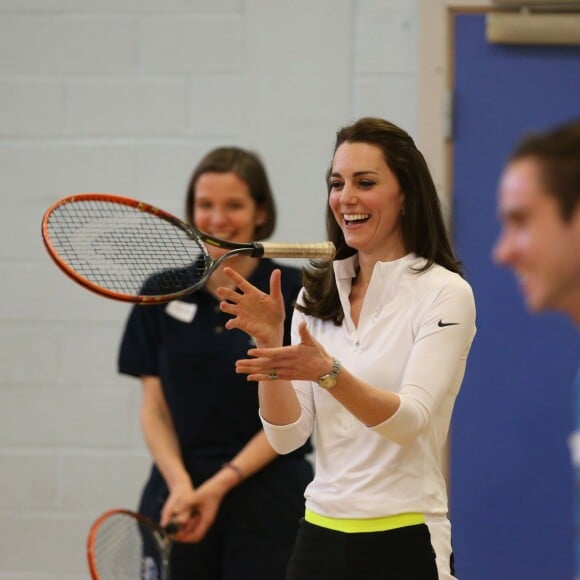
x: 182, y: 311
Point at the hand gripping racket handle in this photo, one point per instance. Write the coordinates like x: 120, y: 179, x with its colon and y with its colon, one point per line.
x: 321, y: 250
x: 172, y: 528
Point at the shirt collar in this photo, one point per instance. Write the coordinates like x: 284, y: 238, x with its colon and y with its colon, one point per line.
x: 346, y: 269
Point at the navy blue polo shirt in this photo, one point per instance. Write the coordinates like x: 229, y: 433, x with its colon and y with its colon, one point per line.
x: 214, y: 410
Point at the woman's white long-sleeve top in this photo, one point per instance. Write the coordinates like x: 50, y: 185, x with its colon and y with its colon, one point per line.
x: 413, y: 337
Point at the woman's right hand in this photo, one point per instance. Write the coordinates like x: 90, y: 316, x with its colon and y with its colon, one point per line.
x: 179, y: 505
x: 258, y: 314
x: 196, y: 510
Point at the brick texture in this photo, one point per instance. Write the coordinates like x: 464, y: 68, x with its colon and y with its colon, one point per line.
x: 125, y: 96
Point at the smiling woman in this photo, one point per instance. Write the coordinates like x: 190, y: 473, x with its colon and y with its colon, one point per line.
x: 367, y: 201
x: 224, y: 208
x: 199, y: 419
x: 418, y: 224
x: 380, y: 340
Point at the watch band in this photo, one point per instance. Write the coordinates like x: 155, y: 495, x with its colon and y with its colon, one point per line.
x: 329, y: 380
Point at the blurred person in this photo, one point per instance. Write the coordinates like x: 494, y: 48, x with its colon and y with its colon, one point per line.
x: 380, y: 339
x: 539, y: 209
x: 198, y: 417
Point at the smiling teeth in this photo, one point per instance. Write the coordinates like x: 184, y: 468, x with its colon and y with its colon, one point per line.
x: 353, y: 217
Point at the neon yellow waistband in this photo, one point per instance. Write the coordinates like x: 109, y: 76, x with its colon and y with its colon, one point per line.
x: 352, y: 526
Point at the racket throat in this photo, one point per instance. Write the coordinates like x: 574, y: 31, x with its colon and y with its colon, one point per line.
x: 255, y: 251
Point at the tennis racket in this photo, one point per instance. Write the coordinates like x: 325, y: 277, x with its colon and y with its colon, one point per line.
x: 124, y: 545
x: 128, y: 250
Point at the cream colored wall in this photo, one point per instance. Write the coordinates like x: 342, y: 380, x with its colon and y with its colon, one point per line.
x: 125, y: 96
x: 433, y: 81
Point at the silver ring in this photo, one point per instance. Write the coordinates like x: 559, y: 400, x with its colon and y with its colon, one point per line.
x: 273, y: 374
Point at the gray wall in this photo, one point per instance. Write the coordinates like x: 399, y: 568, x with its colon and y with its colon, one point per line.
x: 125, y: 96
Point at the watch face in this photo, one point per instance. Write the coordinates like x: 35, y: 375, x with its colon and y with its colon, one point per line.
x: 327, y: 382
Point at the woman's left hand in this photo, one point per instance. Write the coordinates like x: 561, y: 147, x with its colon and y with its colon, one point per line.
x: 202, y: 511
x: 306, y: 361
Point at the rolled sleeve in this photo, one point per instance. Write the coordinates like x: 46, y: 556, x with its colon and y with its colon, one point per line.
x: 286, y: 438
x: 436, y: 365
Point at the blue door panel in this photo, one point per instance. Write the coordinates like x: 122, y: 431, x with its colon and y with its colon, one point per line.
x: 511, y: 480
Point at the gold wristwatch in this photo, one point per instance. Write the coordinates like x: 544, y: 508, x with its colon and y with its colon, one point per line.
x: 329, y: 380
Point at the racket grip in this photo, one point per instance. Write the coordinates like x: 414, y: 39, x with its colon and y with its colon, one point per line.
x: 319, y: 250
x: 172, y: 528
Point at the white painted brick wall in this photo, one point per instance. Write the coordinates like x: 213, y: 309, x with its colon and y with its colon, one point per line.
x: 125, y: 96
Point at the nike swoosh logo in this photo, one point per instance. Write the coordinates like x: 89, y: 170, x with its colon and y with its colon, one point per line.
x: 442, y: 324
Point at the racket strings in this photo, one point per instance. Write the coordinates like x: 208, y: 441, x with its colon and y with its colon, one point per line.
x: 124, y: 549
x: 124, y: 249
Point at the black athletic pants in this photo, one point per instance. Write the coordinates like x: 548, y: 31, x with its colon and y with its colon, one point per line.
x: 400, y: 554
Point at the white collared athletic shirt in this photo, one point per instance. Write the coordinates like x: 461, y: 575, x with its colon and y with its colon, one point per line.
x: 413, y: 337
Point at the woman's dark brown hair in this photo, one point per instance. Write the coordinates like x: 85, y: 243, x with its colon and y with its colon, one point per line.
x: 422, y: 222
x: 250, y: 169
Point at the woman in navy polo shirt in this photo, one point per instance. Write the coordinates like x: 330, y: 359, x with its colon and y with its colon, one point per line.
x: 199, y: 419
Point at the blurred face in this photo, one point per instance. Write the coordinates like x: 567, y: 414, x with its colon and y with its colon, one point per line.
x: 540, y: 247
x: 366, y: 200
x: 224, y: 208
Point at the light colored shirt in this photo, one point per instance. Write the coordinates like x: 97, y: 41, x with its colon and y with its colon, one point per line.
x: 413, y: 337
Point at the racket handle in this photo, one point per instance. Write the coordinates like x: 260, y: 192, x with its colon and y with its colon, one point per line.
x: 319, y: 250
x: 172, y: 528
